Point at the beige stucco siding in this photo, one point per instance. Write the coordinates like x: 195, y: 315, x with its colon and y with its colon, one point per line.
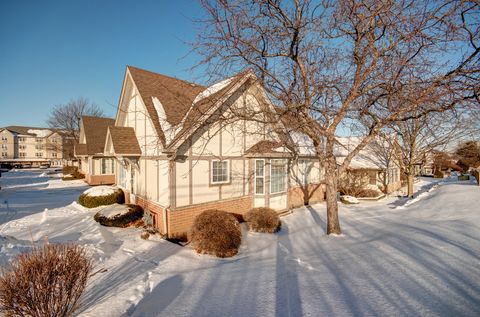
x: 182, y: 183
x: 235, y: 188
x: 202, y: 190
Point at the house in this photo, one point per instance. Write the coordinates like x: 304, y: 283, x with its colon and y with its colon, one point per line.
x: 33, y: 146
x: 377, y: 162
x: 98, y: 168
x: 181, y: 149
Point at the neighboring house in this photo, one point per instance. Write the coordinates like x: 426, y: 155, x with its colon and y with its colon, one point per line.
x: 180, y: 151
x: 98, y: 168
x: 33, y: 147
x: 376, y: 162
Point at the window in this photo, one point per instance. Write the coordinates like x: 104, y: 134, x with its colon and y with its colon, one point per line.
x: 121, y: 175
x: 39, y: 147
x: 278, y: 176
x: 39, y: 154
x: 39, y: 139
x: 4, y: 154
x: 4, y: 138
x: 107, y: 166
x: 305, y: 169
x: 373, y: 178
x: 54, y: 140
x: 220, y: 172
x: 21, y: 139
x: 259, y: 177
x: 22, y: 147
x: 4, y: 146
x: 54, y: 154
x: 22, y: 154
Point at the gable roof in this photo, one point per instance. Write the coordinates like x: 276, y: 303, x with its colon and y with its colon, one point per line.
x: 80, y: 149
x: 95, y: 130
x: 124, y: 141
x: 175, y: 95
x: 204, y: 107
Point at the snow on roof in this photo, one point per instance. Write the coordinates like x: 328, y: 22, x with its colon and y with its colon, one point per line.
x: 303, y: 142
x: 213, y: 89
x: 40, y: 133
x: 365, y: 159
x: 168, y: 130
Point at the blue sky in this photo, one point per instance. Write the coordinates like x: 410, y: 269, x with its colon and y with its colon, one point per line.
x: 54, y: 51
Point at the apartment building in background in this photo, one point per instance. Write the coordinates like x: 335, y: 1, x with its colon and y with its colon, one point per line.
x: 33, y: 147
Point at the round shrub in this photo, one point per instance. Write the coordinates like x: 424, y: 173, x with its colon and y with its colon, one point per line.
x: 90, y: 200
x: 263, y: 219
x: 216, y: 232
x: 119, y: 215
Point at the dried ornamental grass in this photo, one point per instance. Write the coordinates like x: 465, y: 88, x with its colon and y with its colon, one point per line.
x: 217, y: 233
x: 263, y: 219
x: 48, y: 281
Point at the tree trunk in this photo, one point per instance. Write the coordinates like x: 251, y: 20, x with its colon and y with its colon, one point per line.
x: 331, y: 182
x: 410, y: 185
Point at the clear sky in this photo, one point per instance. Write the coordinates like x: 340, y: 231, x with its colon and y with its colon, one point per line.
x: 54, y: 51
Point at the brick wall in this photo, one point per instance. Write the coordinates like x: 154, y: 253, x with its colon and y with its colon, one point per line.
x: 155, y: 210
x: 315, y: 192
x: 100, y: 179
x: 393, y: 187
x: 181, y: 219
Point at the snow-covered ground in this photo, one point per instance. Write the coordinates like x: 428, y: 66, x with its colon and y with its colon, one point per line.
x: 395, y: 257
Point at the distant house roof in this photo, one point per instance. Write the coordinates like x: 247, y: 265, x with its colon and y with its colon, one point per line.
x: 95, y: 129
x: 32, y: 131
x: 124, y: 141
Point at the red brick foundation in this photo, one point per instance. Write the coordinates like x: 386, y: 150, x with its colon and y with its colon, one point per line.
x: 100, y: 179
x: 314, y: 192
x: 180, y: 220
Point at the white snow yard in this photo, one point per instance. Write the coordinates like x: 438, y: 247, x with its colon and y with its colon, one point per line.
x: 394, y: 258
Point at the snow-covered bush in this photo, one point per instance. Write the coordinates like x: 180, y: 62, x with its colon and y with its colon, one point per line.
x: 101, y: 195
x: 217, y: 233
x: 348, y: 199
x: 369, y: 193
x: 119, y: 215
x: 263, y: 219
x: 48, y: 281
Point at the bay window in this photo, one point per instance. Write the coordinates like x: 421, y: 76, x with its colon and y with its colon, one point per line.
x: 278, y: 176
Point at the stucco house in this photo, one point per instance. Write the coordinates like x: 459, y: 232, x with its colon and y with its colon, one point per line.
x: 98, y: 168
x: 33, y: 146
x: 377, y: 162
x: 179, y: 151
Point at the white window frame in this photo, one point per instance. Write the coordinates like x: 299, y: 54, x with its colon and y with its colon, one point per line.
x: 285, y: 176
x: 104, y: 168
x: 259, y: 177
x: 211, y: 172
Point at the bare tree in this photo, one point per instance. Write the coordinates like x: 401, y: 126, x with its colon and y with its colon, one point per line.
x: 420, y: 139
x: 66, y: 119
x: 351, y: 65
x: 469, y: 153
